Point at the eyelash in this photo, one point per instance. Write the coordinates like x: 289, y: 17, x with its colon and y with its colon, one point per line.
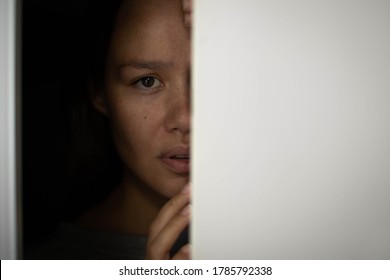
x: 139, y: 83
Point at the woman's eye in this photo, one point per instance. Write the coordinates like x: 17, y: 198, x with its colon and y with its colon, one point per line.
x: 146, y: 83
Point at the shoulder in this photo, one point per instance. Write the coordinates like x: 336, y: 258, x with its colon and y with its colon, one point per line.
x: 71, y: 242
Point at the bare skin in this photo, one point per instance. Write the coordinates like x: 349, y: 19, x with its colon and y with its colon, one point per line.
x: 187, y: 11
x: 147, y: 100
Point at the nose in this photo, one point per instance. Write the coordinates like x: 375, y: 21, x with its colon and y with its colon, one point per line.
x: 178, y: 119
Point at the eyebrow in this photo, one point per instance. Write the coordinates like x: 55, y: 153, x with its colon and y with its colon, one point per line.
x: 147, y: 64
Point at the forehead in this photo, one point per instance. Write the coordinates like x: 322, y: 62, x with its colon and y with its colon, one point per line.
x: 138, y: 11
x: 145, y: 27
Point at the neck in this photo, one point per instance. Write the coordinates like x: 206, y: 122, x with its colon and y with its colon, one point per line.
x: 130, y: 209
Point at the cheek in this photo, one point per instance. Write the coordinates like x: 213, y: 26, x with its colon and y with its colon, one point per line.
x: 135, y: 129
x: 136, y: 121
x: 129, y: 125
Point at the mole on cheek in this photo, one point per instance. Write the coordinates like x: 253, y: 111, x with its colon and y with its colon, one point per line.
x: 145, y: 117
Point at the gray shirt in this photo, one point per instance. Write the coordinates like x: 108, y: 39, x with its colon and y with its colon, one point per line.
x: 71, y: 242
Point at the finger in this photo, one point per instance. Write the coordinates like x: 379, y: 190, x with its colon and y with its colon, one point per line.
x: 187, y: 6
x: 184, y: 253
x: 187, y: 19
x: 168, y: 211
x: 187, y: 10
x: 160, y: 246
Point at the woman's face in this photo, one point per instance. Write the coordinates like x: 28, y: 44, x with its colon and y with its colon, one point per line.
x: 146, y: 94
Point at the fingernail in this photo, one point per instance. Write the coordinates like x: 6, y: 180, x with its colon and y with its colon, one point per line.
x: 186, y: 189
x: 186, y: 210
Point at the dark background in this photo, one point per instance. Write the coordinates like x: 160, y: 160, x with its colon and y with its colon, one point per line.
x: 50, y: 64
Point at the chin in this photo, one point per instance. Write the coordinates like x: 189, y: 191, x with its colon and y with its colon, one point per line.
x: 173, y: 188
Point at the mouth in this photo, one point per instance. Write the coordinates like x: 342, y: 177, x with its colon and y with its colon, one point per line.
x: 177, y: 159
x: 180, y: 157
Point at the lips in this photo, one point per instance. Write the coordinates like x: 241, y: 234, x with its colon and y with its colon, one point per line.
x: 177, y: 159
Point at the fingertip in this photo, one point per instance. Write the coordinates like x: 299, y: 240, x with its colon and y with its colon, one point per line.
x: 187, y: 5
x: 186, y: 210
x: 186, y: 189
x: 186, y: 249
x: 184, y: 253
x: 187, y: 20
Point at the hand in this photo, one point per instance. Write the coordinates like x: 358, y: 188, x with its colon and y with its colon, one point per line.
x: 187, y: 10
x: 172, y: 219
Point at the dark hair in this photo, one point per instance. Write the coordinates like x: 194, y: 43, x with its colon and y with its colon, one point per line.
x: 93, y: 167
x: 99, y: 26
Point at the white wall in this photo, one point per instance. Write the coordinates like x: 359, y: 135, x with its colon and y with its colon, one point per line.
x: 291, y: 129
x: 8, y: 144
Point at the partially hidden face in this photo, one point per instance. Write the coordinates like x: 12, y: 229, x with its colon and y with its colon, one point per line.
x: 147, y: 93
